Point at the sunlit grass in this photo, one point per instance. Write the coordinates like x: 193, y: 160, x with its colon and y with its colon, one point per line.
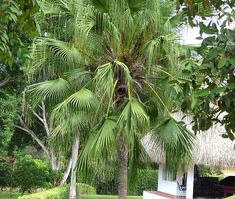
x: 4, y: 195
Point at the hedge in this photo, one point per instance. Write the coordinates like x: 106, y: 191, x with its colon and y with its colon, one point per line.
x: 146, y: 180
x: 107, y: 197
x: 61, y: 192
x: 106, y: 183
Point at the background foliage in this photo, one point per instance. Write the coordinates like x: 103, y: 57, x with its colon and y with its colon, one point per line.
x: 8, y: 117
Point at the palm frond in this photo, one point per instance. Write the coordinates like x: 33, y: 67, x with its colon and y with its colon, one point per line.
x: 73, y: 115
x: 86, y: 157
x: 53, y: 90
x: 53, y: 55
x: 49, y: 6
x: 133, y: 117
x: 99, y: 145
x: 104, y: 79
x: 78, y: 77
x: 106, y: 137
x: 176, y: 141
x: 53, y: 7
x: 82, y: 100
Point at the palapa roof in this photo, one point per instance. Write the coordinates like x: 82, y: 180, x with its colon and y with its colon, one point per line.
x: 210, y: 148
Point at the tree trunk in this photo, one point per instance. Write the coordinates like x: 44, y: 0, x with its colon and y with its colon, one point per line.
x: 66, y: 172
x: 123, y: 162
x: 53, y: 161
x: 54, y: 166
x: 75, y: 148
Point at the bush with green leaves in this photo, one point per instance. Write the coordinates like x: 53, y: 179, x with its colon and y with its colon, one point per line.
x: 106, y: 182
x: 205, y: 171
x: 7, y: 173
x: 31, y: 174
x: 61, y: 192
x: 8, y: 115
x: 146, y: 180
x: 108, y: 197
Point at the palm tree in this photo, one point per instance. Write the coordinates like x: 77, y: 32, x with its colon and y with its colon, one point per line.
x: 112, y: 65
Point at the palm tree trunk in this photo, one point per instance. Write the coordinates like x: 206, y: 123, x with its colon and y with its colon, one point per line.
x: 123, y: 162
x: 66, y: 172
x: 75, y: 148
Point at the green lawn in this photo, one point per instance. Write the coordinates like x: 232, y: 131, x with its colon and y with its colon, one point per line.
x: 9, y: 195
x: 15, y: 195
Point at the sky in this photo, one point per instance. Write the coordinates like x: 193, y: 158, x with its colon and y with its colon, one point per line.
x: 189, y: 34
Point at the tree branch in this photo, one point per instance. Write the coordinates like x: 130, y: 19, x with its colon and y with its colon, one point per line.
x: 66, y: 172
x: 45, y: 123
x: 25, y: 128
x: 37, y: 116
x: 5, y: 81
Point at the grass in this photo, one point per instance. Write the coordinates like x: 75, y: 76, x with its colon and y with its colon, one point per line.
x: 4, y: 195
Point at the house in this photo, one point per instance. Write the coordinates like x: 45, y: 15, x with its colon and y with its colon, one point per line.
x: 210, y: 149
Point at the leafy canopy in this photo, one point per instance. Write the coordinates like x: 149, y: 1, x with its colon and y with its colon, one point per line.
x: 111, y: 65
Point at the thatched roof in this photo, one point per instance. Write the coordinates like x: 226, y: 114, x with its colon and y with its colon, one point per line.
x: 210, y: 148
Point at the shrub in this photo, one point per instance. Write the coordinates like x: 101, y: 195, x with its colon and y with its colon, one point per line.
x: 103, y: 177
x: 31, y: 174
x: 205, y: 171
x: 6, y: 171
x: 61, y: 192
x: 106, y: 181
x: 108, y: 197
x: 146, y: 180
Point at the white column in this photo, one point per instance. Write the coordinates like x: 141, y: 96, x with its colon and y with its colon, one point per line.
x: 190, y: 181
x: 160, y: 175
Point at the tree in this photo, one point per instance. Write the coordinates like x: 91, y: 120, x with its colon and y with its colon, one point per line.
x: 8, y: 116
x: 209, y: 95
x: 213, y: 90
x: 202, y: 8
x: 30, y: 174
x: 17, y: 27
x: 29, y: 121
x: 123, y: 54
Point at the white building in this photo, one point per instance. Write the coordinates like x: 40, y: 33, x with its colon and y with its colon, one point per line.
x: 210, y: 149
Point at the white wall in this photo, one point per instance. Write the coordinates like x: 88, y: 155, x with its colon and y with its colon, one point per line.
x: 229, y: 172
x: 171, y: 187
x: 166, y: 186
x: 190, y: 181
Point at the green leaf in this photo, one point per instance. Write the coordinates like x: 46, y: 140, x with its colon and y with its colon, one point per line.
x: 106, y: 136
x: 194, y: 103
x: 176, y: 141
x: 222, y: 63
x: 231, y: 85
x: 203, y: 92
x: 84, y: 100
x: 232, y: 61
x: 133, y: 117
x: 207, y: 30
x: 218, y: 90
x: 53, y: 89
x: 104, y: 79
x: 230, y: 135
